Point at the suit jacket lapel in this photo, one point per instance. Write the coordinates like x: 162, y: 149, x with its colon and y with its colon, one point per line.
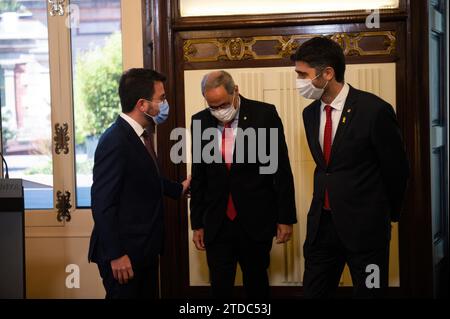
x: 136, y: 142
x: 344, y: 121
x: 243, y: 123
x: 315, y: 144
x: 211, y: 122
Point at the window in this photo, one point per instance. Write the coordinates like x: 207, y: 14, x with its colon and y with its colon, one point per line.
x: 34, y: 96
x: 25, y: 99
x: 196, y: 8
x: 96, y: 66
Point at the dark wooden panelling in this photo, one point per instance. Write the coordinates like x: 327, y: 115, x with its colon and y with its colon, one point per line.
x: 174, y: 267
x: 410, y: 26
x: 274, y: 46
x: 147, y: 32
x: 181, y: 64
x: 415, y: 228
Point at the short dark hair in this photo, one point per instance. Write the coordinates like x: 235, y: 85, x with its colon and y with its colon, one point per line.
x: 137, y: 84
x: 322, y: 52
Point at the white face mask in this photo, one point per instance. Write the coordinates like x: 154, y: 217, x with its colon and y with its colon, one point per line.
x: 307, y: 89
x: 224, y: 114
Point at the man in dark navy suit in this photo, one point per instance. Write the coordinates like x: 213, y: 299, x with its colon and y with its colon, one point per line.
x: 127, y: 191
x: 237, y: 208
x: 360, y: 178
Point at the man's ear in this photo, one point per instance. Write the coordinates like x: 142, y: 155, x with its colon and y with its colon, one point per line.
x: 140, y: 104
x: 328, y: 74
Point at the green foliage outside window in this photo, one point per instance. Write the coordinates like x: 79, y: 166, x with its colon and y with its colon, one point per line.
x: 97, y: 102
x: 9, y: 6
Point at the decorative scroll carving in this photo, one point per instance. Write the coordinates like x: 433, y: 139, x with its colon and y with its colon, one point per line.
x: 63, y: 205
x: 370, y: 43
x: 61, y: 138
x: 56, y: 7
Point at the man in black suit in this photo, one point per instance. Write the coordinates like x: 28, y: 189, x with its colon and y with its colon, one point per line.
x: 237, y: 207
x: 359, y: 180
x: 127, y: 191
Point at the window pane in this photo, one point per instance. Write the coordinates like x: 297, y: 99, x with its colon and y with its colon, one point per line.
x: 97, y: 66
x: 25, y: 98
x: 193, y: 8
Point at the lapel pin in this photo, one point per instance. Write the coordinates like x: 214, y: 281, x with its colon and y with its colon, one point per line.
x: 349, y: 110
x: 343, y: 120
x: 245, y: 117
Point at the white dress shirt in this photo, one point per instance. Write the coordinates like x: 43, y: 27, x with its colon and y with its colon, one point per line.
x: 337, y: 106
x: 135, y: 125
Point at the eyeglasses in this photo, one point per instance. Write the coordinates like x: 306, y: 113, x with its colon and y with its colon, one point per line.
x: 222, y: 106
x: 156, y: 101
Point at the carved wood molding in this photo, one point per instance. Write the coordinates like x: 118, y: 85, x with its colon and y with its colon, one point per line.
x: 56, y: 7
x: 63, y: 205
x: 367, y: 43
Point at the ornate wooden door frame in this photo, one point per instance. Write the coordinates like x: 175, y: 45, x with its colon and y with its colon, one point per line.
x: 170, y: 45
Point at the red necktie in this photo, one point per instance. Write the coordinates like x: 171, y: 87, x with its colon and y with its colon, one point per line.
x: 227, y: 155
x: 327, y: 141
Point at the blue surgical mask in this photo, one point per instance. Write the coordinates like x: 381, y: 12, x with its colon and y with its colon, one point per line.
x: 163, y: 113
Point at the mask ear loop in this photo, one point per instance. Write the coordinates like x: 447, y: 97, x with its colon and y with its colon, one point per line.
x: 146, y: 112
x: 321, y: 73
x: 234, y: 96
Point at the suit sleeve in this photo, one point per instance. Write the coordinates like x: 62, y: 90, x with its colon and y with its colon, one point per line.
x: 172, y: 189
x: 389, y: 146
x: 198, y: 190
x: 108, y: 175
x: 283, y: 179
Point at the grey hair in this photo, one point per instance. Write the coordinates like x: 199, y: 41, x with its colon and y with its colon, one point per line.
x: 215, y: 79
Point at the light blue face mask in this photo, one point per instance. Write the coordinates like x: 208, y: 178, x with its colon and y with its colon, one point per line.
x: 163, y: 114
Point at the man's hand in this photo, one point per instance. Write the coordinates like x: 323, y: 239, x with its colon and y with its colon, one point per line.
x: 186, y: 184
x: 122, y: 270
x: 284, y: 233
x: 198, y: 239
